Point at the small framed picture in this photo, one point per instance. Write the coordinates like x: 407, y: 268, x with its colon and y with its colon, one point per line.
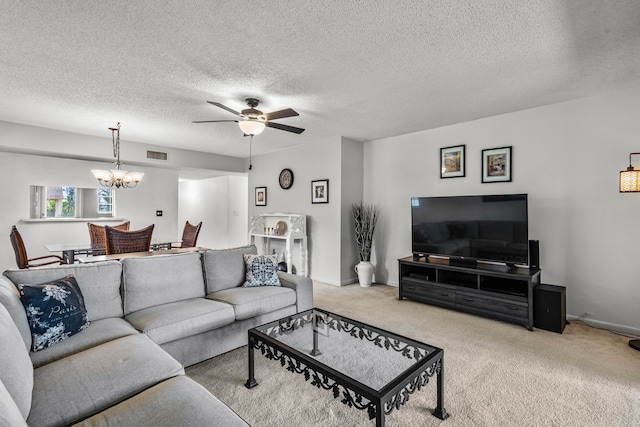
x: 497, y: 164
x: 320, y: 191
x: 261, y: 196
x: 452, y: 162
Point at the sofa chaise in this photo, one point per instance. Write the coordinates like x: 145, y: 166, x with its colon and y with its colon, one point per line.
x: 148, y: 318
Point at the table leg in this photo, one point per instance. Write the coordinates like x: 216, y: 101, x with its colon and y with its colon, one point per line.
x: 251, y: 382
x: 379, y: 415
x: 315, y: 351
x: 440, y: 411
x: 69, y: 256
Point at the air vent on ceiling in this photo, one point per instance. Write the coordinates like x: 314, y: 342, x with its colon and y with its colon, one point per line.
x: 156, y: 155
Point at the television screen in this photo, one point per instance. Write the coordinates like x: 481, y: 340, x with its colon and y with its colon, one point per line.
x: 490, y: 228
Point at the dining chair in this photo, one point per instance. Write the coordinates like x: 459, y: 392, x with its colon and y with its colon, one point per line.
x: 121, y: 242
x: 99, y: 238
x: 190, y: 235
x: 22, y: 259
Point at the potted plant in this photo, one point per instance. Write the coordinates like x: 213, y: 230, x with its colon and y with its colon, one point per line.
x: 365, y: 217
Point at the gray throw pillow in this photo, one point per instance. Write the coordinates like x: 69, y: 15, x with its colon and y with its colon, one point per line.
x: 262, y: 270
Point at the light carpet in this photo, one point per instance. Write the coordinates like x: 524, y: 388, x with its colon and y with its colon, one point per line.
x: 496, y: 373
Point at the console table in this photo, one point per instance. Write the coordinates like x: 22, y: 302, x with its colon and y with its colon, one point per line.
x: 266, y: 228
x: 488, y: 290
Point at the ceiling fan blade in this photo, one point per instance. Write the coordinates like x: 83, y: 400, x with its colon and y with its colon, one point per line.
x: 284, y: 127
x: 281, y: 114
x: 213, y: 121
x: 224, y: 107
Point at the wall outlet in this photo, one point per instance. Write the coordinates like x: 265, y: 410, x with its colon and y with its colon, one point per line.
x: 158, y: 213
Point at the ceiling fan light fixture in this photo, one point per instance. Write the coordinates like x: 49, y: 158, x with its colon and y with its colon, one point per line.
x: 251, y: 126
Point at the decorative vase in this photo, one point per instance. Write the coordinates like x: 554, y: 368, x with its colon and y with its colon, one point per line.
x: 365, y: 272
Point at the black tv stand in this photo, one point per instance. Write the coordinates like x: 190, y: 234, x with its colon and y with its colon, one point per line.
x: 462, y: 261
x: 491, y: 290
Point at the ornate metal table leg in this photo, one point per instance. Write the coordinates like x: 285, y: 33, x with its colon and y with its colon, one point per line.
x: 251, y: 382
x: 316, y: 351
x: 440, y: 411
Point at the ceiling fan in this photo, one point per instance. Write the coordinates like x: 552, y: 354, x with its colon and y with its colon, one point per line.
x: 252, y: 122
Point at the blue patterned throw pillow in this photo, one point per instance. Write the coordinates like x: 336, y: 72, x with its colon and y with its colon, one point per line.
x: 262, y: 270
x: 55, y: 311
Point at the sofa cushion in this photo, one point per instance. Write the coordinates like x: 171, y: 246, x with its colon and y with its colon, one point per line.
x: 151, y: 281
x: 261, y: 270
x: 73, y: 388
x: 55, y: 311
x: 100, y: 331
x: 99, y: 283
x: 224, y: 268
x: 168, y: 322
x: 16, y: 370
x: 10, y: 298
x: 9, y: 413
x: 178, y: 401
x: 251, y: 302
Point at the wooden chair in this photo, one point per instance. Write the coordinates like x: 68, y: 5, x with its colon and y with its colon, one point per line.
x: 190, y: 235
x: 99, y: 237
x: 121, y: 242
x: 22, y: 259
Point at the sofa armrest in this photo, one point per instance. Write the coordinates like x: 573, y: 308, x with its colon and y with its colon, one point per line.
x: 10, y: 298
x: 303, y: 287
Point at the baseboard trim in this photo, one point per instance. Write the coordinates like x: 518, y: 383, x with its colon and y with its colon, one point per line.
x: 614, y: 327
x: 346, y: 282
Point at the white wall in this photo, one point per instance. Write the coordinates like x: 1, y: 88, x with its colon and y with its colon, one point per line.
x: 310, y: 161
x: 567, y: 158
x: 351, y: 192
x: 19, y: 138
x: 157, y: 191
x: 221, y: 204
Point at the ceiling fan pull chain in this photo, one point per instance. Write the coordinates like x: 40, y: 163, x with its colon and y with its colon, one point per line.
x: 250, y: 144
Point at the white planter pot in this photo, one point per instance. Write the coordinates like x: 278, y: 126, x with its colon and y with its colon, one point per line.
x: 365, y: 272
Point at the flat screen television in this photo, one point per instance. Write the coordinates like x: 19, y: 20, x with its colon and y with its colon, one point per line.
x: 472, y: 228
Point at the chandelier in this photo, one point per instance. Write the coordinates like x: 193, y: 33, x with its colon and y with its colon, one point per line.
x: 117, y: 177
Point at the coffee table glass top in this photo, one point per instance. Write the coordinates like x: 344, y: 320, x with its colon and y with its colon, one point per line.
x: 370, y: 356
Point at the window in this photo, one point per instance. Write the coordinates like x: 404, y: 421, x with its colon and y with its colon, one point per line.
x: 60, y: 202
x: 71, y: 202
x: 105, y: 200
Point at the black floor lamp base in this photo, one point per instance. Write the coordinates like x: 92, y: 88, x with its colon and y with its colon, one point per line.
x: 635, y: 344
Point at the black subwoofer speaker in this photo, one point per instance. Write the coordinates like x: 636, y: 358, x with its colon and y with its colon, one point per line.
x: 549, y: 308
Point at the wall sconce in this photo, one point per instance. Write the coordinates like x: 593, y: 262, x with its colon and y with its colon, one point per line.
x: 630, y: 179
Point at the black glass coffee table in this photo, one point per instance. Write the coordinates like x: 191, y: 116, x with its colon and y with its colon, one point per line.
x: 368, y: 368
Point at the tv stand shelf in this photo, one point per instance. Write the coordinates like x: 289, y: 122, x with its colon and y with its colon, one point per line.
x: 488, y: 290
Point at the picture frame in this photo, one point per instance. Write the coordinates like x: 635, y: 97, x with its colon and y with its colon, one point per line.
x: 452, y: 161
x: 261, y: 196
x: 497, y: 165
x: 320, y: 191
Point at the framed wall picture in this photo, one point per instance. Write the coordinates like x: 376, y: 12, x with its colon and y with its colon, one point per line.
x: 261, y: 196
x: 320, y: 191
x: 452, y: 161
x: 497, y: 164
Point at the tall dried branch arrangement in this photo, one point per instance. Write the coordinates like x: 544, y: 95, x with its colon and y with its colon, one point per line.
x: 365, y: 217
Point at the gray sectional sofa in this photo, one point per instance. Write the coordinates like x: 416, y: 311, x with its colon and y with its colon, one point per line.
x: 149, y: 317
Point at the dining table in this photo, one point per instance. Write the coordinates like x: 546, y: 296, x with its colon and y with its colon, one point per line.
x: 71, y: 250
x: 118, y: 257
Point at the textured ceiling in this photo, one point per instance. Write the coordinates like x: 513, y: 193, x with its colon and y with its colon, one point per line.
x: 360, y: 69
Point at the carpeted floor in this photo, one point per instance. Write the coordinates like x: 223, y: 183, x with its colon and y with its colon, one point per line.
x: 496, y: 374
